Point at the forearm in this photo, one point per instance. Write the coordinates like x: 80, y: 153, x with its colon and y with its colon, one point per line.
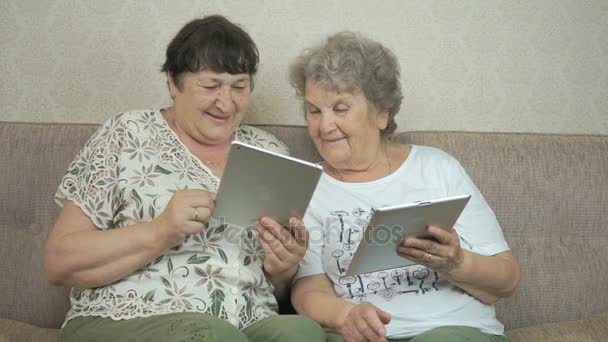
x: 323, y: 307
x: 94, y: 258
x: 487, y: 278
x: 282, y: 283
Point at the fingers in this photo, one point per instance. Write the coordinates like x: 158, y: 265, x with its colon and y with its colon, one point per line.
x: 192, y: 227
x: 198, y: 198
x: 276, y: 230
x: 419, y: 248
x: 353, y: 335
x: 385, y: 318
x: 299, y: 231
x: 274, y: 244
x: 200, y: 214
x: 365, y: 326
x: 198, y: 193
x: 192, y: 205
x: 293, y: 239
x: 420, y: 256
x: 372, y: 317
x: 367, y: 323
x: 443, y: 242
x: 442, y: 254
x: 282, y: 249
x: 273, y: 264
x: 444, y: 237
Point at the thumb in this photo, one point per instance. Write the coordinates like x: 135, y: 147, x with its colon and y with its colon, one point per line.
x: 384, y: 316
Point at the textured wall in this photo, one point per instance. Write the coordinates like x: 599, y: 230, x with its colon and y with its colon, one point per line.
x: 484, y: 65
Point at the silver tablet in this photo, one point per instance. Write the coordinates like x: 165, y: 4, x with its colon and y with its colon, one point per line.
x: 388, y: 225
x: 257, y: 183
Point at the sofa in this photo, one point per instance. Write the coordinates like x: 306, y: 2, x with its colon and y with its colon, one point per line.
x: 549, y: 192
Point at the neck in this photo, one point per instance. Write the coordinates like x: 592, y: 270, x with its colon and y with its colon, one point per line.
x: 376, y: 166
x: 213, y: 155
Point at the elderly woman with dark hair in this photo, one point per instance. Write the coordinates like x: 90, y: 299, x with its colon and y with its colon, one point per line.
x: 134, y: 238
x: 351, y: 91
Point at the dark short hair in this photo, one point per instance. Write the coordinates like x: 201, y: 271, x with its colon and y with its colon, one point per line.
x: 211, y: 43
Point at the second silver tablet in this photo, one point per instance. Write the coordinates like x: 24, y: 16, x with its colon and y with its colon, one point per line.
x: 378, y: 248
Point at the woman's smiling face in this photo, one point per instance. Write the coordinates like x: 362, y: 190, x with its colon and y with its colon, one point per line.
x: 208, y: 105
x: 344, y: 127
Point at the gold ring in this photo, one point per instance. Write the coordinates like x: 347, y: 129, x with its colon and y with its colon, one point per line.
x: 195, y: 215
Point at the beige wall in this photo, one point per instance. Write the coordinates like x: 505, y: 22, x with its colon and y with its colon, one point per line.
x: 478, y: 65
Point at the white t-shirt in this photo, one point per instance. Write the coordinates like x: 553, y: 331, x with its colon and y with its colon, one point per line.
x: 417, y: 298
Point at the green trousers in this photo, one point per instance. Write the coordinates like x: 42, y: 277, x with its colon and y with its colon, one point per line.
x: 182, y: 327
x: 442, y: 334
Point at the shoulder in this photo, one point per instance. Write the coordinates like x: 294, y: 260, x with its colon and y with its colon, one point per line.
x: 123, y: 119
x: 134, y: 122
x: 123, y: 127
x: 260, y: 138
x: 432, y: 155
x: 136, y: 117
x: 431, y: 162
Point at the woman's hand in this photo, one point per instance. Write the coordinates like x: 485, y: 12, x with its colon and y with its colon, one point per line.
x: 442, y: 253
x: 363, y: 322
x: 185, y: 214
x: 283, y: 248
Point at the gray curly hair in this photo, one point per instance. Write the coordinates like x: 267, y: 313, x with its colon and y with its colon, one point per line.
x: 348, y: 62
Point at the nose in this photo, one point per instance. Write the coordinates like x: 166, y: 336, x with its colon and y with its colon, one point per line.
x: 224, y: 100
x: 328, y: 123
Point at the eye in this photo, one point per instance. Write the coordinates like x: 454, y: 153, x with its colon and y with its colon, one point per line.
x: 341, y: 108
x: 211, y: 87
x: 313, y: 110
x: 239, y: 87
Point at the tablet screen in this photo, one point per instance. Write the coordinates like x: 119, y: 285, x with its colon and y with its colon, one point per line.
x: 257, y: 183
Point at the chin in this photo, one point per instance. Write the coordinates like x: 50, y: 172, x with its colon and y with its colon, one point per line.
x: 218, y: 133
x: 334, y: 159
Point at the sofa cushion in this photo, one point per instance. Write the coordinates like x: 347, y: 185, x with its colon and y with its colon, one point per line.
x: 34, y: 157
x: 13, y: 331
x: 297, y: 139
x: 560, y: 280
x: 593, y: 329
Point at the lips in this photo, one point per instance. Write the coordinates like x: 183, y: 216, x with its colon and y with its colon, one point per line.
x: 218, y: 117
x: 332, y: 140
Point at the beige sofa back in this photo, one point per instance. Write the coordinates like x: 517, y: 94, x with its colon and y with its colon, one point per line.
x: 549, y: 192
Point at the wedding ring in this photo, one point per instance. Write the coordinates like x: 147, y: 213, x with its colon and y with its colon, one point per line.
x: 195, y: 215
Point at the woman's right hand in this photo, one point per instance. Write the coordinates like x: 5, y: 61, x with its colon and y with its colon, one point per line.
x: 363, y: 322
x: 185, y: 214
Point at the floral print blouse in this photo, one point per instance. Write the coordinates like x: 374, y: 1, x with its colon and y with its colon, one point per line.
x: 125, y: 174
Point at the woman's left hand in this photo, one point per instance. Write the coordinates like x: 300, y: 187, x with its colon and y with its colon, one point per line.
x: 441, y: 253
x: 284, y: 247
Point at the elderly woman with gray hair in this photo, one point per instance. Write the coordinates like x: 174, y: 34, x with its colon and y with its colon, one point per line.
x: 351, y: 91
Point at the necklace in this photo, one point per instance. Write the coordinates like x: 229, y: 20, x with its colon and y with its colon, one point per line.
x: 210, y: 163
x: 388, y: 159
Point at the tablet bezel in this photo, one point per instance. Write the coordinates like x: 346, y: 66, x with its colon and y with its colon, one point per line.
x: 373, y: 256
